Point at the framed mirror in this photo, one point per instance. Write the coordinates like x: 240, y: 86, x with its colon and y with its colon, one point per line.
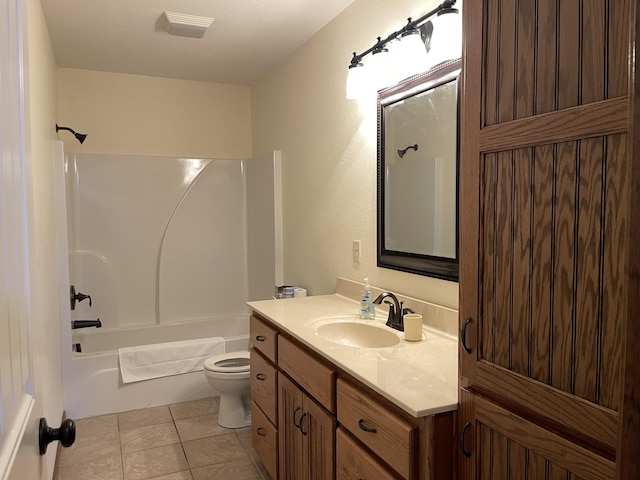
x: 418, y: 152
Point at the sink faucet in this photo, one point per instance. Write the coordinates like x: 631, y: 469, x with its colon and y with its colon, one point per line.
x: 396, y: 312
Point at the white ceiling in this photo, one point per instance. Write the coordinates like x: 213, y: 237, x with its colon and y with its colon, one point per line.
x: 247, y: 37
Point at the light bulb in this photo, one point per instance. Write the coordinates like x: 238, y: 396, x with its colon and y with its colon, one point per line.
x: 413, y: 59
x: 356, y: 81
x: 446, y: 43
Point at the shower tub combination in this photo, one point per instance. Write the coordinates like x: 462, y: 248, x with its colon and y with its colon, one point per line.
x: 93, y: 378
x: 159, y: 244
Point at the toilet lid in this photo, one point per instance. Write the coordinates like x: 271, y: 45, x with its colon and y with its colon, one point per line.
x: 228, y: 362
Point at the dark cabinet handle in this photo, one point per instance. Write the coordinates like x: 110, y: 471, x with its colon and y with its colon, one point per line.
x: 261, y: 431
x: 261, y: 338
x: 365, y: 428
x: 296, y: 424
x: 261, y: 376
x: 462, y: 434
x: 463, y: 335
x: 300, y: 426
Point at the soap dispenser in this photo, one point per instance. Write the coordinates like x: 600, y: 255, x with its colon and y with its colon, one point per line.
x: 367, y: 308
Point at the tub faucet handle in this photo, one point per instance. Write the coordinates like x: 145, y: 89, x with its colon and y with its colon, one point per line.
x: 77, y: 297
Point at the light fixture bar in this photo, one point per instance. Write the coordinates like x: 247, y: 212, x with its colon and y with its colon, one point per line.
x: 411, y: 24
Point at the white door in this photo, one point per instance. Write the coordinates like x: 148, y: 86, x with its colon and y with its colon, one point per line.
x: 20, y: 402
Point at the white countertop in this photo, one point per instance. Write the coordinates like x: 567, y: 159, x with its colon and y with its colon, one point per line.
x: 419, y: 377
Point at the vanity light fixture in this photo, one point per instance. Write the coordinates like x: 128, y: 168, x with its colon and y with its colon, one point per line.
x: 409, y: 50
x: 79, y: 136
x: 447, y: 36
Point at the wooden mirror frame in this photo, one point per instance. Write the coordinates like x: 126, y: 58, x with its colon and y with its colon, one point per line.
x: 429, y: 265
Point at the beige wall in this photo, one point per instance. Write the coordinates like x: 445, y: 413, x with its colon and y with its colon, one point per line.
x: 328, y: 148
x: 137, y: 115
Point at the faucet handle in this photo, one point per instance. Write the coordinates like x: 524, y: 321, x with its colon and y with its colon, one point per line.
x: 407, y: 310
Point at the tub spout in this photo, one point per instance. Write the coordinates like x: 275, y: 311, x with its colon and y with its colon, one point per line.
x: 86, y: 323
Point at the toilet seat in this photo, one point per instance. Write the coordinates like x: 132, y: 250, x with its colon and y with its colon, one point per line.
x: 232, y: 362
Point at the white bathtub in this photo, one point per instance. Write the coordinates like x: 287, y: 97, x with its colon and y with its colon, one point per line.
x: 93, y: 385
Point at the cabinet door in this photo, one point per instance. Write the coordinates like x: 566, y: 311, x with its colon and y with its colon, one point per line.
x: 318, y: 431
x: 543, y: 213
x: 307, y: 435
x: 508, y: 446
x: 290, y: 451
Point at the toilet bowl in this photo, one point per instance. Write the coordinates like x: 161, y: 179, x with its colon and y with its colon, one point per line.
x: 229, y: 375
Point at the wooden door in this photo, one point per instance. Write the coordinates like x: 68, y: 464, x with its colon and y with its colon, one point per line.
x: 544, y: 223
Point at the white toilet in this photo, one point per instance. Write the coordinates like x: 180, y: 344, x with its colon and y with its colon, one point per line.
x: 229, y: 375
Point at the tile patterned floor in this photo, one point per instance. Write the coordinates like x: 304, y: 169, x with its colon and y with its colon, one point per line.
x: 182, y: 441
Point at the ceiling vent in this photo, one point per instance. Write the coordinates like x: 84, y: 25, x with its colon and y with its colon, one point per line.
x: 185, y: 25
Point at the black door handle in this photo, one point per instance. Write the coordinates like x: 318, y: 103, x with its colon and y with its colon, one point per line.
x: 465, y: 452
x: 66, y: 434
x: 463, y: 335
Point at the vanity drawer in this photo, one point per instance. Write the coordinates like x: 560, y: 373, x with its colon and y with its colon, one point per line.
x: 263, y: 337
x: 315, y: 376
x: 388, y: 435
x: 353, y: 463
x: 264, y: 439
x: 264, y: 385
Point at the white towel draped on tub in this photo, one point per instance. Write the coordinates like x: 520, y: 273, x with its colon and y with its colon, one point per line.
x: 163, y: 359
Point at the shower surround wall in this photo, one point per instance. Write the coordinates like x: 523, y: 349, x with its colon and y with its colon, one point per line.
x: 156, y: 240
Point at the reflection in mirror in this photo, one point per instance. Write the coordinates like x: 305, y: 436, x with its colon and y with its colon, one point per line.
x: 417, y: 174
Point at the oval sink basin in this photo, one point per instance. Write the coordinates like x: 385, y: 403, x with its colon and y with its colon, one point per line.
x: 357, y: 335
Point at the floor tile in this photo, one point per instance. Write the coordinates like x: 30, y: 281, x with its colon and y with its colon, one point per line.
x: 186, y: 475
x: 143, y: 417
x: 92, y: 447
x: 154, y: 462
x: 195, y: 408
x: 94, y: 426
x: 235, y: 469
x: 200, y: 427
x: 161, y: 443
x: 150, y: 436
x: 102, y: 468
x: 212, y: 450
x: 244, y: 434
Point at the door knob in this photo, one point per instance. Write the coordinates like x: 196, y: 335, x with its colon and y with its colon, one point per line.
x: 66, y: 434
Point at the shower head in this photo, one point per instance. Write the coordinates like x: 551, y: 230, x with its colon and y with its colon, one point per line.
x: 79, y: 136
x: 402, y: 152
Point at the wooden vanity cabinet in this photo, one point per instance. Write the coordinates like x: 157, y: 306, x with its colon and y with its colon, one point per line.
x: 321, y: 412
x: 264, y: 392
